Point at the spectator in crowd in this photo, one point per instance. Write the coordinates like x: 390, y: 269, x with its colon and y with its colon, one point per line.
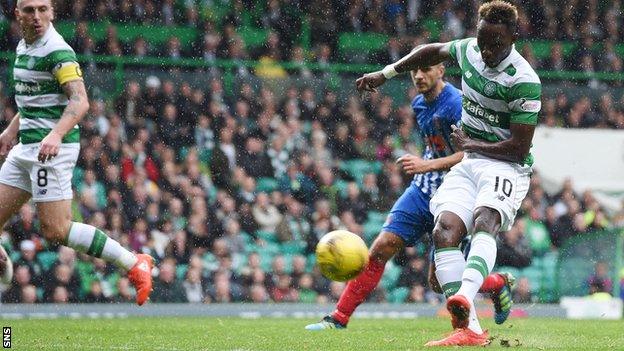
x: 25, y: 227
x: 64, y: 285
x: 28, y: 259
x: 600, y: 281
x: 258, y: 294
x: 513, y: 248
x: 21, y: 279
x: 306, y: 292
x: 266, y: 214
x: 96, y: 294
x: 414, y: 274
x: 522, y: 292
x: 193, y: 286
x: 294, y: 227
x: 29, y: 294
x: 167, y: 288
x: 224, y: 290
x: 125, y: 293
x: 283, y: 291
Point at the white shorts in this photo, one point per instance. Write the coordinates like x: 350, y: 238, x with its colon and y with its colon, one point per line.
x: 50, y: 181
x: 478, y: 181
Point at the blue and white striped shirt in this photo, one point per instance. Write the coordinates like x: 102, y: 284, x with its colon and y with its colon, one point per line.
x: 434, y: 122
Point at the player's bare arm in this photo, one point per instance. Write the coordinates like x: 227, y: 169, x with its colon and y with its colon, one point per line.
x: 74, y: 112
x: 413, y: 164
x: 9, y: 136
x: 424, y: 56
x: 514, y: 149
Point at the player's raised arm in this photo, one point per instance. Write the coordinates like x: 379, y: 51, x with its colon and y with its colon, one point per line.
x: 75, y: 110
x: 423, y: 56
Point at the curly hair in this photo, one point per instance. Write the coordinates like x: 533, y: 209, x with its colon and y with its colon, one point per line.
x: 500, y: 12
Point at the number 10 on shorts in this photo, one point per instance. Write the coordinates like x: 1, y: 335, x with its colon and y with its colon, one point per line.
x: 506, y: 186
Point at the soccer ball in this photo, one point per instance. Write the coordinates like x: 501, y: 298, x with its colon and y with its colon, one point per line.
x: 341, y: 255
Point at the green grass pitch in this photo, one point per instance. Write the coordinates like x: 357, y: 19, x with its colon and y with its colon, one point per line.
x: 288, y: 334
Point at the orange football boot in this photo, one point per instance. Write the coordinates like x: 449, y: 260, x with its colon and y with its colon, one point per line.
x: 141, y: 277
x: 459, y: 308
x: 462, y: 337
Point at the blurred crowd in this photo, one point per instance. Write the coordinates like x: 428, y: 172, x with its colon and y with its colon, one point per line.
x: 567, y: 20
x: 595, y: 27
x: 230, y: 192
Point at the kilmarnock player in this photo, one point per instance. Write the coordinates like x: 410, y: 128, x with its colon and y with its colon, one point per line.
x: 51, y: 99
x: 437, y: 108
x: 482, y: 193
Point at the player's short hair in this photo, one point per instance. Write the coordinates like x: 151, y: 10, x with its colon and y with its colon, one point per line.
x: 500, y: 12
x: 17, y: 3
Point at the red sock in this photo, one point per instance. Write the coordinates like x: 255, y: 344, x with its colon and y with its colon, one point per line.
x: 357, y: 290
x: 492, y: 283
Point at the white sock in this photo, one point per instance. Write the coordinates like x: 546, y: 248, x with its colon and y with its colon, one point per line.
x: 450, y: 264
x: 480, y: 263
x: 92, y: 241
x: 473, y: 319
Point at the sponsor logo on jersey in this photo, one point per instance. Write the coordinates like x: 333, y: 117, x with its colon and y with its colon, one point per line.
x: 22, y: 88
x: 479, y: 111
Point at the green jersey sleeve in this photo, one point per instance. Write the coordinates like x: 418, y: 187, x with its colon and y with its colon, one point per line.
x: 525, y: 103
x: 58, y: 57
x: 457, y: 50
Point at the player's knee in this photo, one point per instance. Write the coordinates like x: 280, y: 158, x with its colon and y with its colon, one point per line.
x: 487, y: 220
x: 55, y: 231
x: 447, y: 233
x: 384, y: 247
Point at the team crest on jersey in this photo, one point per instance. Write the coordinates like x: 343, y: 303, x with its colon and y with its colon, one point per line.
x: 489, y: 89
x: 31, y: 63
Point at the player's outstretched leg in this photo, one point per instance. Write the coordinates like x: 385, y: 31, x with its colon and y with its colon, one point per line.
x: 57, y: 227
x: 384, y: 248
x: 478, y: 266
x: 497, y: 285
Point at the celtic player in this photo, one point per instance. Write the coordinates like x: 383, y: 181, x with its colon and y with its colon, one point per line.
x: 481, y: 194
x: 51, y: 99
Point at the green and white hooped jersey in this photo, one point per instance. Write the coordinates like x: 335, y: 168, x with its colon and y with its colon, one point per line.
x: 40, y: 69
x: 496, y: 97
